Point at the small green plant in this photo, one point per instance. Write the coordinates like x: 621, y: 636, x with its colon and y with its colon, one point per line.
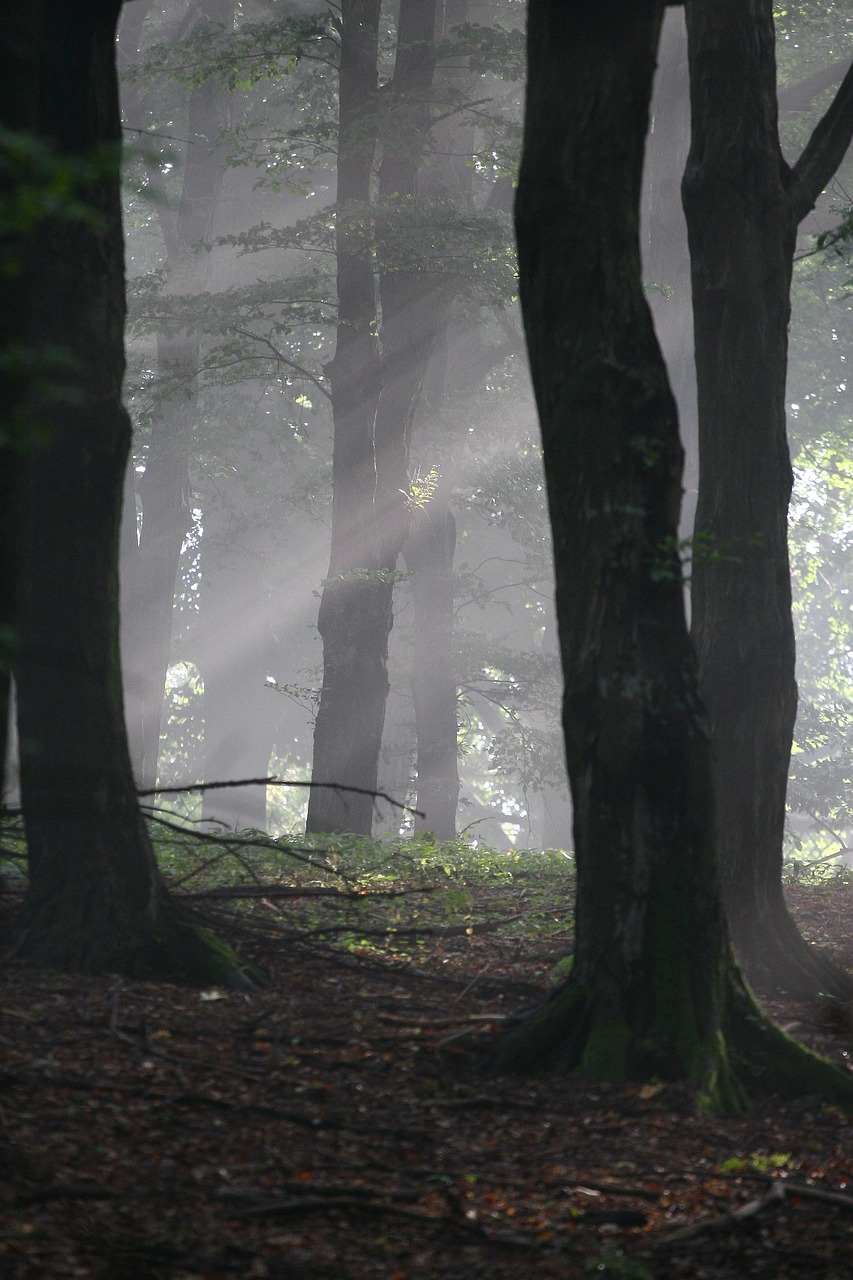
x: 616, y: 1265
x: 756, y: 1162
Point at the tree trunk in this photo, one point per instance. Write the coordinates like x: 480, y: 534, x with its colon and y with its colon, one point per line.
x: 428, y: 554
x: 743, y: 205
x: 654, y: 989
x: 352, y: 623
x: 374, y: 399
x: 18, y: 108
x: 164, y: 488
x: 95, y: 901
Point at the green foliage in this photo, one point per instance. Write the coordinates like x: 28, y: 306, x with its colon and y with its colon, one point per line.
x: 756, y: 1162
x: 240, y: 58
x: 36, y: 184
x: 492, y: 50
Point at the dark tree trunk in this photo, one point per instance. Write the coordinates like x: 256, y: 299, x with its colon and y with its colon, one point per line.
x: 743, y: 205
x: 95, y: 901
x: 374, y: 399
x: 352, y: 622
x: 18, y: 110
x: 164, y: 489
x: 654, y: 989
x: 428, y: 555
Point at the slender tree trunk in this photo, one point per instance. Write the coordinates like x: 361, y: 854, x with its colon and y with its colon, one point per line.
x: 373, y: 415
x: 165, y: 488
x: 428, y: 554
x: 654, y: 989
x: 348, y: 730
x: 95, y: 900
x: 743, y: 205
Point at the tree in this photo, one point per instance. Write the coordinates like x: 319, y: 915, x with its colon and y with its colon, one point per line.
x: 18, y: 117
x: 150, y: 570
x: 370, y: 472
x: 428, y: 555
x: 654, y: 988
x: 95, y: 900
x: 743, y: 204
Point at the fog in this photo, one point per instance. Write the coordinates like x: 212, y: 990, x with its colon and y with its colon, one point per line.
x: 231, y: 163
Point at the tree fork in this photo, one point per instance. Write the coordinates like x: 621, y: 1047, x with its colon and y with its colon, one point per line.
x: 654, y: 989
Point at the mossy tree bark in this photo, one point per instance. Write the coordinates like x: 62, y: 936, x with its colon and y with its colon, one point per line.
x: 96, y: 901
x: 654, y: 989
x: 743, y: 205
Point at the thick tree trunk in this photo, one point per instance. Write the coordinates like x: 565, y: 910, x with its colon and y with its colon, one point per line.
x: 165, y: 489
x: 428, y: 554
x: 654, y: 989
x: 95, y: 901
x: 742, y: 226
x: 374, y: 399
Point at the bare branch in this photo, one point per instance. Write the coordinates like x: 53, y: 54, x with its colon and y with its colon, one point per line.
x: 282, y: 359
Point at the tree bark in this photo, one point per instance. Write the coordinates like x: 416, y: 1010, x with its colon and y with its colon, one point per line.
x: 374, y: 396
x: 95, y: 901
x: 348, y: 730
x: 654, y: 989
x: 743, y: 205
x: 428, y: 555
x: 18, y: 110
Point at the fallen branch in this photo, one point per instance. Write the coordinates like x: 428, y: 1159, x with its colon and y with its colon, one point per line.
x: 781, y: 1189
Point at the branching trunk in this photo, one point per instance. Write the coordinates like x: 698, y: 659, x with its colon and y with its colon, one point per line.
x: 743, y: 205
x: 96, y: 901
x: 654, y: 989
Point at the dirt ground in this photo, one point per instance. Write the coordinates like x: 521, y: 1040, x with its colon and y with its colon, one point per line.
x: 333, y: 1125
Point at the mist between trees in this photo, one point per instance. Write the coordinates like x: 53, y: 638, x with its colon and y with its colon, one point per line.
x: 336, y: 554
x: 246, y: 279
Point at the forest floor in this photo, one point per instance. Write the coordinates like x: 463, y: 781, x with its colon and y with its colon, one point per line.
x: 334, y: 1125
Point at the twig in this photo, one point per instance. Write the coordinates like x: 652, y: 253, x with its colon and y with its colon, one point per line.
x: 280, y: 782
x: 289, y: 891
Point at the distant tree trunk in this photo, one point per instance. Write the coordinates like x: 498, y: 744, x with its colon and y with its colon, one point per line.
x: 373, y: 414
x: 428, y: 554
x: 743, y: 206
x: 352, y: 623
x: 95, y: 901
x: 654, y: 989
x: 164, y: 489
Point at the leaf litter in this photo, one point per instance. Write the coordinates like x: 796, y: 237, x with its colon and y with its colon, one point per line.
x: 336, y: 1123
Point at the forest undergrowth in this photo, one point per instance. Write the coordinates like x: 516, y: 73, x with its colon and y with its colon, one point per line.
x: 338, y: 1122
